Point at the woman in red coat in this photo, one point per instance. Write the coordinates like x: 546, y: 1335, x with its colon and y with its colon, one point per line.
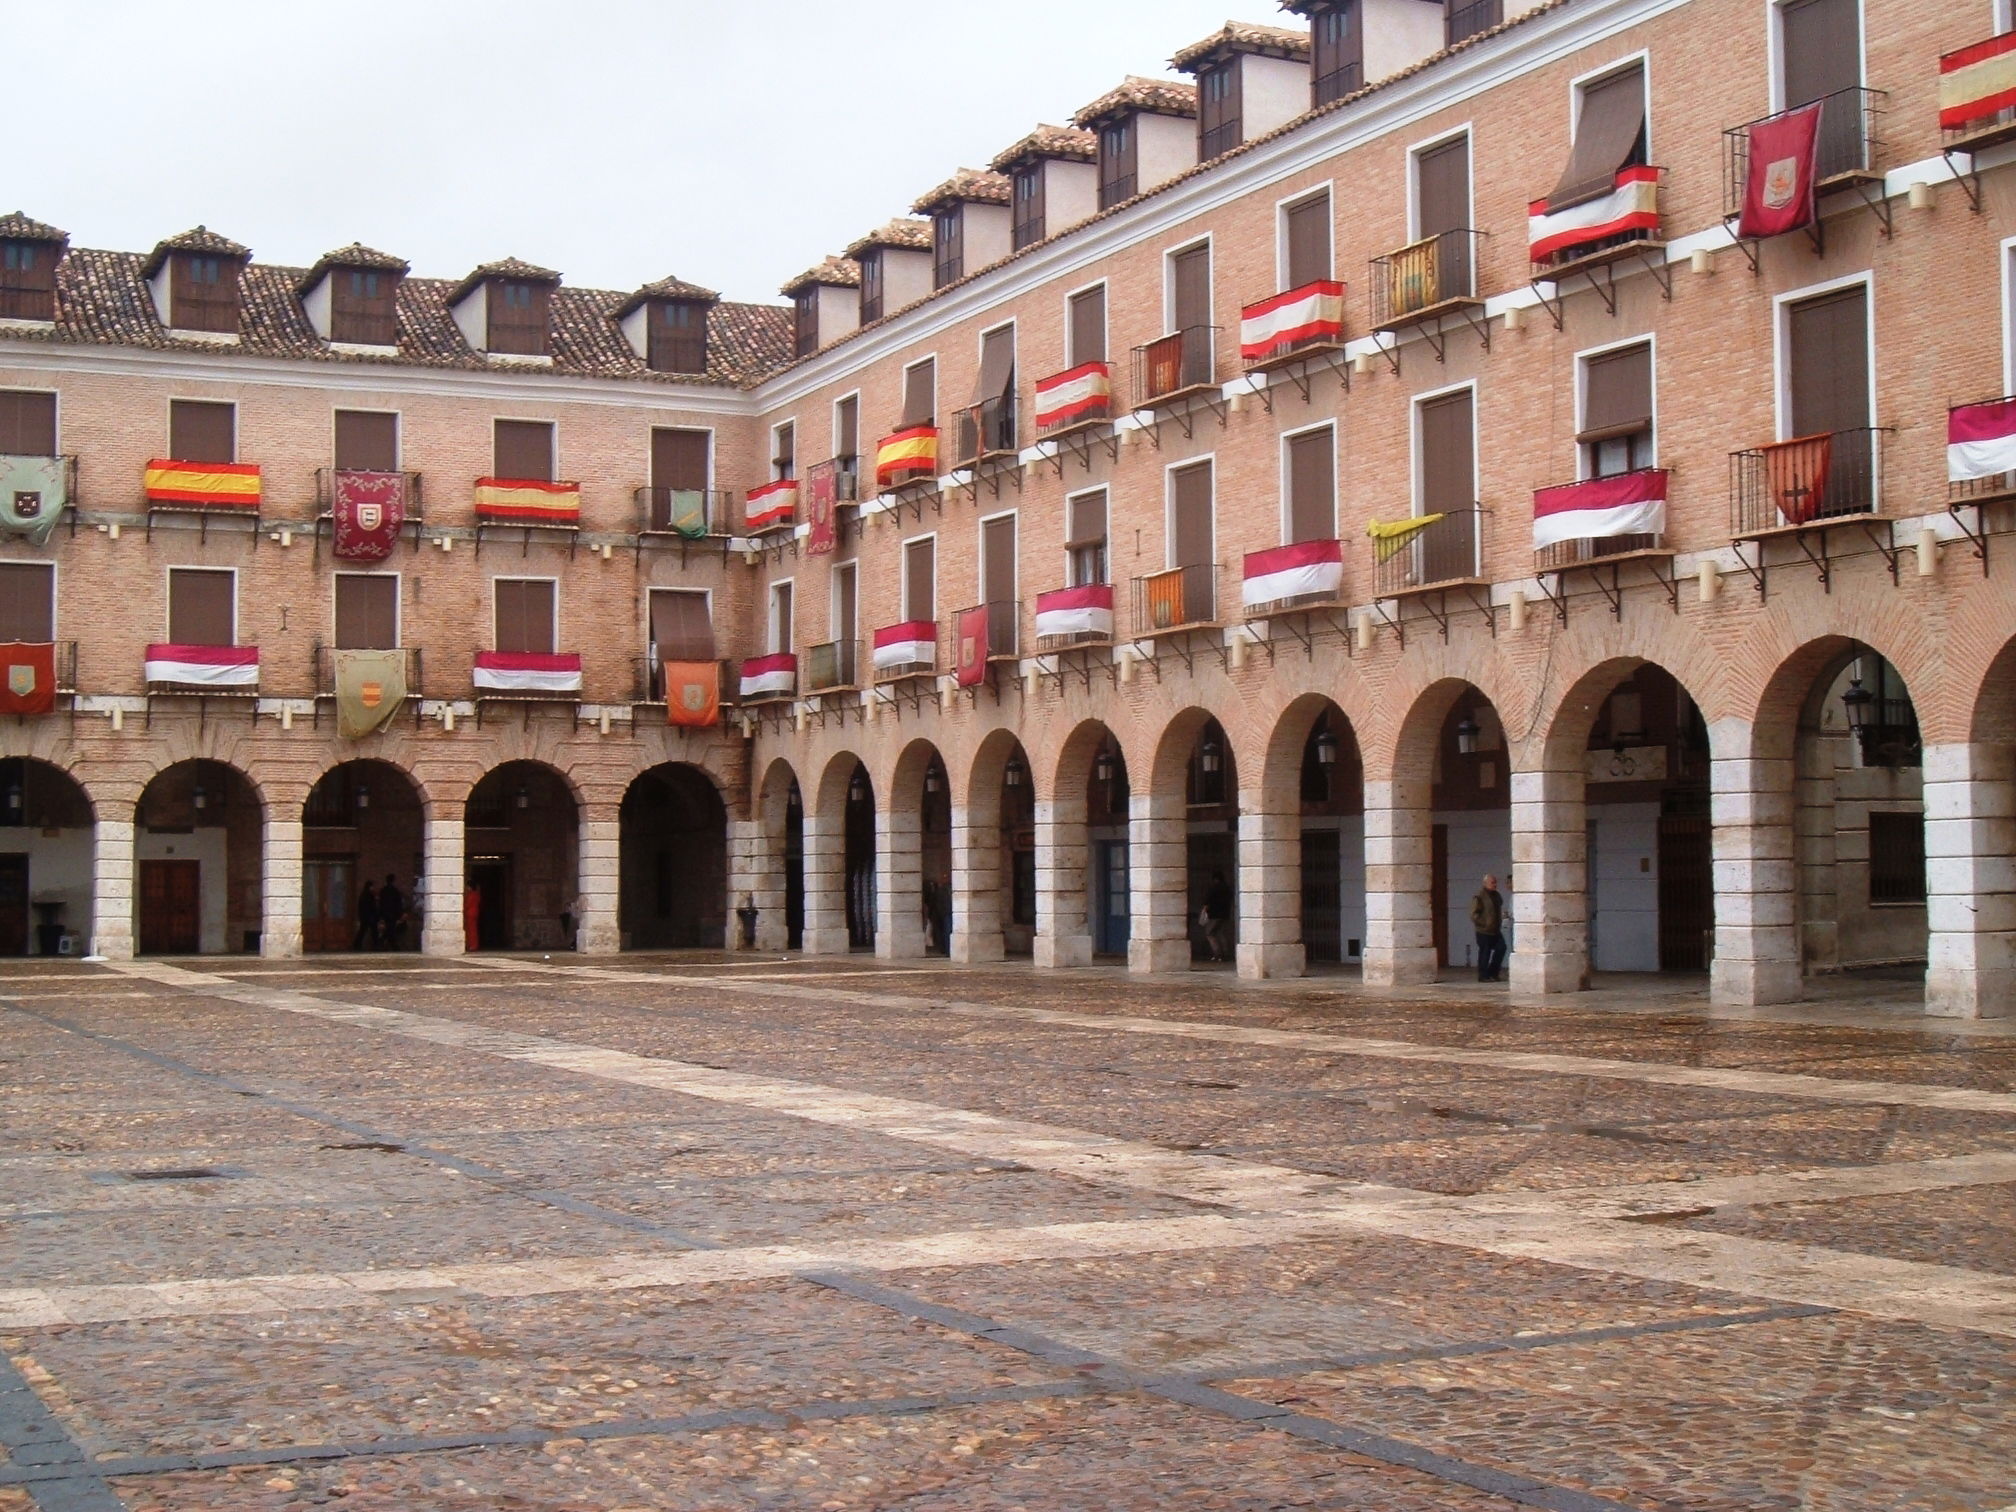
x: 472, y: 908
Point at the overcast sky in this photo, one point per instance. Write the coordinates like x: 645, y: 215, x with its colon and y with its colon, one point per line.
x: 615, y: 140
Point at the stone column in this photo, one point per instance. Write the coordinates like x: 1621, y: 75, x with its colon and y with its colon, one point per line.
x: 1756, y: 918
x: 598, y: 892
x: 280, y: 923
x: 825, y: 886
x: 1063, y: 855
x: 1159, y: 883
x: 1970, y: 880
x: 756, y: 877
x: 1270, y: 892
x: 1817, y: 826
x: 112, y: 873
x: 1550, y: 882
x: 1399, y: 886
x: 441, y: 909
x: 976, y: 887
x: 899, y: 883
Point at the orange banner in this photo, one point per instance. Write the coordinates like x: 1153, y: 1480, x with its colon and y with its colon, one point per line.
x: 692, y: 694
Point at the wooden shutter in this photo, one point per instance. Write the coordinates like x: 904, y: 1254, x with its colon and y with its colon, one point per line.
x: 27, y: 601
x: 367, y: 611
x: 805, y: 322
x: 679, y: 458
x: 1218, y: 109
x: 523, y: 450
x: 1029, y: 205
x: 846, y: 589
x: 202, y: 606
x: 1823, y: 48
x: 920, y: 579
x: 1088, y: 326
x: 517, y: 316
x: 1307, y: 231
x: 681, y: 628
x: 1190, y: 287
x: 920, y: 394
x: 1339, y: 40
x: 997, y: 365
x: 367, y: 441
x: 676, y: 336
x: 997, y: 560
x: 363, y: 306
x: 524, y: 609
x: 1829, y: 344
x: 1118, y: 154
x: 1312, y: 487
x: 948, y: 246
x: 780, y: 617
x: 27, y: 424
x: 871, y: 285
x: 203, y: 292
x: 1190, y: 541
x: 1448, y: 454
x: 1087, y: 526
x: 1617, y: 394
x: 1609, y: 136
x: 202, y: 431
x: 785, y: 439
x: 1442, y: 187
x: 847, y: 428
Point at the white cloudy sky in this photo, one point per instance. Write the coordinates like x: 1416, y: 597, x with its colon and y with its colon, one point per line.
x: 615, y: 140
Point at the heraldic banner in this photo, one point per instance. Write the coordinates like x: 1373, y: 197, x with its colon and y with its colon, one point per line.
x: 693, y: 693
x: 1779, y: 190
x: 822, y: 496
x: 30, y: 684
x: 369, y: 509
x: 32, y: 496
x: 370, y: 689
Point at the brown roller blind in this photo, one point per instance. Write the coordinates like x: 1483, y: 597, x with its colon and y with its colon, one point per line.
x: 1190, y: 287
x: 27, y: 424
x: 367, y: 611
x: 1308, y: 235
x: 847, y: 427
x: 780, y: 617
x: 202, y: 606
x: 1442, y: 187
x: 1312, y: 489
x: 1823, y: 48
x: 681, y: 628
x: 997, y: 365
x: 523, y: 449
x: 1829, y: 344
x: 1616, y: 393
x: 997, y: 560
x: 1088, y: 326
x: 920, y: 394
x: 1088, y: 519
x: 202, y: 431
x: 517, y: 317
x: 525, y: 615
x: 27, y: 601
x: 920, y: 580
x: 1190, y: 543
x: 846, y: 588
x: 203, y: 293
x: 367, y: 441
x: 1609, y: 136
x: 1448, y: 454
x: 679, y: 458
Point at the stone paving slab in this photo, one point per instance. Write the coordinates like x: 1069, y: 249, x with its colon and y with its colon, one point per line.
x: 1971, y: 1226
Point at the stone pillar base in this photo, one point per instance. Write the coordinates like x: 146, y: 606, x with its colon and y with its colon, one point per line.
x: 826, y: 940
x: 1755, y: 984
x: 1054, y: 952
x: 1149, y: 956
x: 970, y: 949
x: 1259, y: 963
x: 1964, y: 992
x: 1400, y: 967
x: 1549, y: 971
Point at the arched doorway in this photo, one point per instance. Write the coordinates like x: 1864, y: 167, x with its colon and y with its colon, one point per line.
x: 674, y: 860
x: 1086, y: 911
x: 1192, y: 812
x: 860, y: 859
x: 996, y: 901
x: 197, y: 853
x: 1470, y: 835
x: 1315, y: 779
x: 1211, y: 846
x: 362, y: 824
x: 522, y: 855
x: 46, y: 830
x: 1108, y: 802
x: 934, y: 856
x: 779, y: 895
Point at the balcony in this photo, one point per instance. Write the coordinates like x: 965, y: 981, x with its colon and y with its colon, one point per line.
x: 905, y: 650
x: 325, y: 670
x: 1182, y: 598
x: 231, y: 489
x: 1623, y: 224
x: 530, y: 502
x: 690, y: 514
x: 768, y: 677
x: 1292, y: 325
x: 833, y: 666
x: 1981, y: 452
x: 202, y: 671
x: 1977, y: 102
x: 648, y: 681
x: 1426, y: 280
x: 1074, y: 399
x: 1081, y: 616
x: 985, y: 431
x: 907, y: 457
x: 1284, y: 579
x: 1849, y: 150
x: 1175, y: 366
x: 378, y: 507
x: 1441, y: 554
x: 526, y: 676
x: 774, y: 506
x: 1003, y: 630
x: 1803, y: 484
x: 1600, y: 521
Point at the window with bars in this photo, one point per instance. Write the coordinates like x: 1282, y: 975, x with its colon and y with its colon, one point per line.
x: 1118, y: 144
x: 1616, y: 435
x: 948, y: 246
x: 1218, y: 110
x: 871, y: 285
x: 1085, y: 562
x: 1896, y: 857
x: 805, y: 322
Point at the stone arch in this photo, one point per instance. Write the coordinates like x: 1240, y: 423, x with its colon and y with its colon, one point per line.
x: 361, y: 823
x: 841, y: 877
x: 673, y: 855
x: 993, y: 853
x: 1184, y: 847
x: 1083, y: 902
x: 49, y: 824
x: 776, y: 860
x: 521, y: 827
x: 199, y: 860
x: 1295, y: 907
x: 913, y: 862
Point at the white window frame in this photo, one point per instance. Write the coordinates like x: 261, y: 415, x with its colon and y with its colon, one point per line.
x: 1646, y: 339
x: 2005, y: 16
x: 1169, y: 471
x: 1283, y: 525
x: 1414, y: 152
x: 398, y: 432
x: 834, y: 629
x: 1325, y: 190
x: 168, y: 595
x: 1071, y: 358
x: 903, y: 388
x: 1414, y: 444
x: 1069, y: 499
x: 168, y: 420
x: 1774, y: 22
x: 778, y: 640
x: 1169, y: 255
x: 398, y: 604
x: 559, y: 640
x: 1781, y: 344
x: 833, y: 424
x: 1580, y: 85
x: 54, y: 569
x: 980, y: 556
x: 651, y: 428
x: 903, y: 577
x: 2008, y: 254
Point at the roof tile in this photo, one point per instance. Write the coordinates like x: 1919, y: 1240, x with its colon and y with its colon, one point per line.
x: 1160, y: 96
x: 197, y: 239
x: 1243, y: 37
x: 834, y: 272
x: 1065, y: 142
x: 909, y: 235
x: 18, y: 227
x: 969, y: 186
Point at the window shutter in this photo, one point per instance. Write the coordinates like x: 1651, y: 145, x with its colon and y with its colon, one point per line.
x: 1340, y: 51
x: 523, y: 450
x: 1448, y: 451
x: 1617, y: 394
x: 367, y: 611
x: 1190, y: 543
x: 525, y: 615
x: 1308, y: 236
x: 1088, y: 326
x: 27, y: 424
x: 367, y: 441
x: 847, y: 427
x: 920, y: 394
x: 871, y: 285
x: 920, y: 580
x: 518, y: 317
x: 997, y: 560
x: 27, y: 601
x: 1442, y: 187
x: 1190, y: 286
x: 202, y: 605
x: 784, y: 438
x: 1312, y: 504
x: 680, y: 626
x: 202, y: 431
x: 781, y: 627
x: 1608, y: 137
x: 679, y: 458
x: 677, y: 340
x: 997, y: 365
x: 1823, y: 48
x: 1088, y: 520
x: 846, y: 587
x: 1829, y: 341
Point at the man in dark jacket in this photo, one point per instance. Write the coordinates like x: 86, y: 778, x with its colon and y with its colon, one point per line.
x: 1487, y: 917
x: 1217, y: 917
x: 366, y: 937
x: 391, y: 913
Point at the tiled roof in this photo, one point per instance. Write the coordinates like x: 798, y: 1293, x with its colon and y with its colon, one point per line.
x: 201, y: 239
x: 18, y: 227
x: 1243, y: 37
x: 504, y: 267
x: 1162, y: 96
x: 835, y: 272
x: 967, y: 186
x: 102, y: 300
x: 1065, y: 142
x: 356, y: 255
x: 910, y: 235
x: 666, y: 288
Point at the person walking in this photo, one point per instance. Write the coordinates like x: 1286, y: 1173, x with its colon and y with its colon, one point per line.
x: 391, y: 913
x: 1217, y: 917
x: 366, y: 937
x: 1487, y: 917
x: 472, y: 917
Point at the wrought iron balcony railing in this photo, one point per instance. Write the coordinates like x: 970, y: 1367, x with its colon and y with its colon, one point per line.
x: 1850, y: 145
x: 985, y: 430
x: 832, y: 666
x: 1425, y: 278
x: 1809, y: 480
x: 1447, y: 551
x: 1182, y: 598
x: 1175, y: 365
x: 689, y: 513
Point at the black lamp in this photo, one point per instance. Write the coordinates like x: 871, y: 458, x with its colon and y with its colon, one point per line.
x: 524, y: 797
x: 858, y: 788
x: 1012, y: 777
x: 1467, y: 732
x: 1326, y: 747
x: 1210, y: 757
x: 1858, y: 701
x: 363, y: 796
x: 1102, y: 765
x: 931, y: 779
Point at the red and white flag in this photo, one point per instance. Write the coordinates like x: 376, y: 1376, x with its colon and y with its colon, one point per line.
x: 769, y: 676
x: 1977, y: 83
x: 1083, y: 611
x: 1303, y: 570
x: 367, y: 511
x: 204, y: 666
x: 1632, y: 503
x: 914, y: 643
x: 1779, y: 193
x: 1314, y: 312
x: 1631, y: 207
x: 772, y: 505
x: 527, y: 672
x: 1084, y: 393
x: 1981, y: 440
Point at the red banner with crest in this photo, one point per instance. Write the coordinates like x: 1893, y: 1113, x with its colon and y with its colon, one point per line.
x: 369, y: 508
x: 822, y: 497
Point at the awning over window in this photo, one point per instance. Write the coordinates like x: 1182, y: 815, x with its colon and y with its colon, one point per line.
x: 1606, y: 138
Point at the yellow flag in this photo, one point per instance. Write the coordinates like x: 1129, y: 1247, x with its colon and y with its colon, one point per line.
x: 1388, y: 539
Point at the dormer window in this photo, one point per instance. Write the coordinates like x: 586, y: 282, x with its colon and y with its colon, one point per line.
x: 1218, y: 127
x: 805, y: 321
x: 517, y: 324
x: 871, y: 285
x: 1028, y: 205
x: 948, y: 246
x: 1117, y: 168
x: 1338, y: 38
x: 362, y: 307
x: 678, y: 341
x: 203, y: 292
x: 28, y: 280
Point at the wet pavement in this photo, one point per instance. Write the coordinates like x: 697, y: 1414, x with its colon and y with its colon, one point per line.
x: 705, y: 1232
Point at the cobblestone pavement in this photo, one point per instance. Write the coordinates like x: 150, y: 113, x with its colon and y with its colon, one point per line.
x: 703, y: 1232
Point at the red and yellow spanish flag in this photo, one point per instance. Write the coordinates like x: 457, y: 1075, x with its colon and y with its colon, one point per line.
x: 908, y: 451
x: 528, y: 501
x: 1977, y: 83
x: 233, y: 485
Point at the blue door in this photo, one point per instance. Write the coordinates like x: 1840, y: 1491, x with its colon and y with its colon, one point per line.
x: 1110, y: 916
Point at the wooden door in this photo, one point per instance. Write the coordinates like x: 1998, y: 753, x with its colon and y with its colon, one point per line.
x: 1686, y: 892
x: 492, y: 878
x: 1322, y: 896
x: 1438, y: 890
x: 171, y: 907
x: 328, y: 902
x: 1113, y: 908
x: 13, y: 905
